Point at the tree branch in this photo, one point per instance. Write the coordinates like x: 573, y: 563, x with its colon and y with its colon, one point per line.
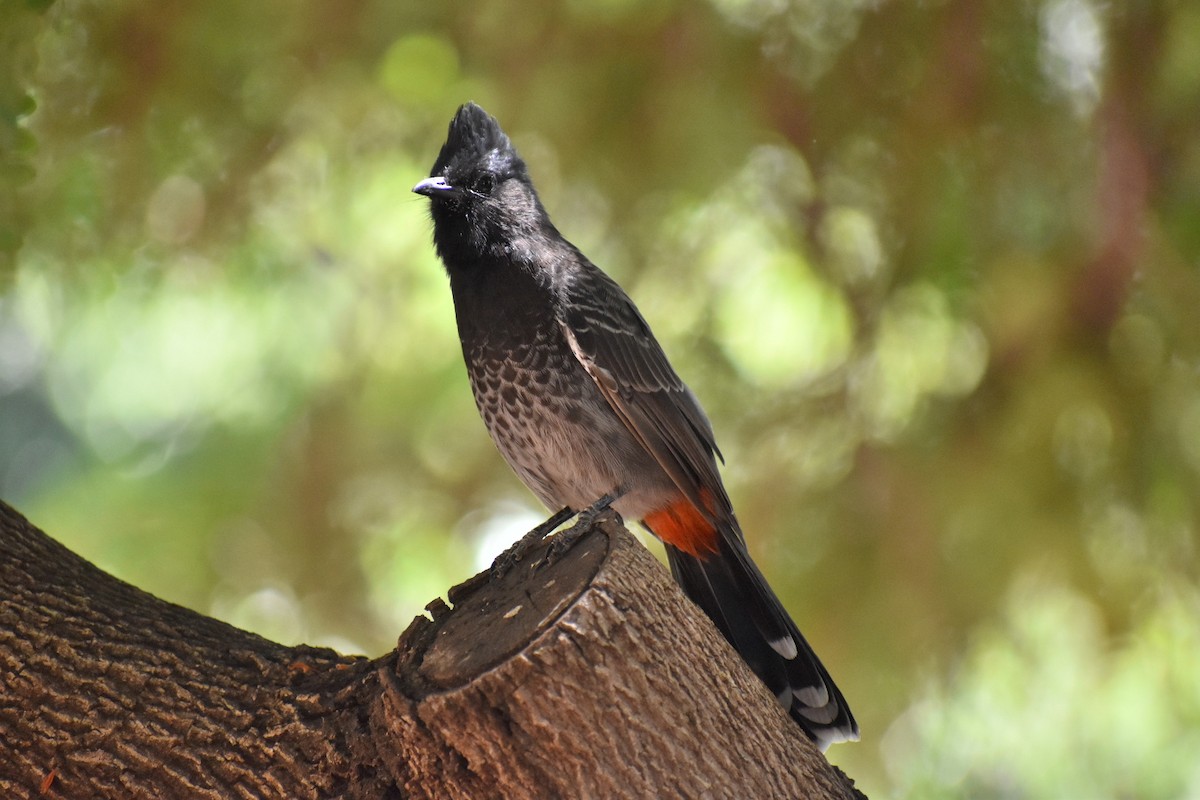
x: 591, y: 677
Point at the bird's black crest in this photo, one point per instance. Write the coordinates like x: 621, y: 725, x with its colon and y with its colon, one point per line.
x: 474, y: 137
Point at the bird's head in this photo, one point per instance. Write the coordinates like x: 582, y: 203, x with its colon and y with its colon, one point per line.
x: 481, y: 198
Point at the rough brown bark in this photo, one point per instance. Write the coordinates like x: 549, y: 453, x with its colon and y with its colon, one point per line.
x: 592, y: 677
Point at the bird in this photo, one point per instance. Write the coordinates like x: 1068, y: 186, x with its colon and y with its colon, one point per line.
x: 581, y: 401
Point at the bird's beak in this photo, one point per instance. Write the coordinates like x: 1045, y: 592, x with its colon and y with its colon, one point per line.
x: 431, y: 187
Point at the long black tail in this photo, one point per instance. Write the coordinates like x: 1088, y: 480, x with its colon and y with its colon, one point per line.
x: 734, y: 594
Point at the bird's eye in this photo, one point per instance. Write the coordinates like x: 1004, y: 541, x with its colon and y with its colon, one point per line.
x: 484, y: 183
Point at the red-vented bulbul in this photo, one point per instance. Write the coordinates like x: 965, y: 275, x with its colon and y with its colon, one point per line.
x: 584, y: 406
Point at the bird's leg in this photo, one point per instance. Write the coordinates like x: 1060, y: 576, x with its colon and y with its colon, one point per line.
x: 564, y: 540
x: 510, y: 557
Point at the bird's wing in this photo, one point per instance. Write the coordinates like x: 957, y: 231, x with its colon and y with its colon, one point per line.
x: 613, y: 342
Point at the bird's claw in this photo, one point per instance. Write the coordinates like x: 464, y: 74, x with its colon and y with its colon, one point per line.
x: 504, y: 562
x: 563, y: 541
x: 560, y: 544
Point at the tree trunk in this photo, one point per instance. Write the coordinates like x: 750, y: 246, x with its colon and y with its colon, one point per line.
x: 591, y: 677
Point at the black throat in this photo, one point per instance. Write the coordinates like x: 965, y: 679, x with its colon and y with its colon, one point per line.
x: 501, y: 306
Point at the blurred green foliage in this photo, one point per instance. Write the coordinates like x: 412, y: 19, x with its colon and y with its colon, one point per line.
x: 931, y: 267
x: 1101, y: 721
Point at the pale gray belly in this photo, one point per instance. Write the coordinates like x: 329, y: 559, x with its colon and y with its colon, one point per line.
x: 556, y: 431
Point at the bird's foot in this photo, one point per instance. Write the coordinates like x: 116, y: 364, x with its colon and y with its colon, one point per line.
x: 516, y: 552
x: 565, y: 540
